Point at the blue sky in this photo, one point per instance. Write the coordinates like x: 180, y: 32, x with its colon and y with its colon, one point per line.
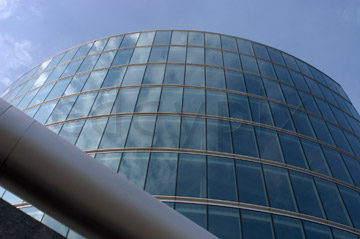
x: 324, y: 33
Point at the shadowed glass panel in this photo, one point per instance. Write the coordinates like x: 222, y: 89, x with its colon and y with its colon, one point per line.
x: 286, y: 227
x: 249, y: 64
x: 260, y: 111
x: 316, y: 231
x: 218, y: 136
x: 321, y: 130
x: 91, y: 133
x: 314, y: 87
x: 283, y: 74
x: 244, y: 139
x: 292, y: 150
x: 196, y: 213
x: 282, y: 116
x: 268, y: 144
x: 290, y: 61
x: 354, y: 168
x: 224, y: 222
x: 273, y: 90
x: 315, y: 157
x: 340, y: 234
x: 352, y: 202
x: 337, y: 165
x: 55, y: 225
x: 254, y: 85
x: 235, y: 81
x: 302, y: 123
x: 252, y: 221
x: 133, y: 167
x: 141, y: 131
x: 309, y: 103
x: 239, y: 106
x: 339, y: 138
x: 275, y: 56
x: 231, y: 60
x: 291, y: 96
x: 325, y: 110
x: 115, y: 132
x: 299, y: 80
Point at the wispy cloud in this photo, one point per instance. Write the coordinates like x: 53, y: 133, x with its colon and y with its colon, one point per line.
x: 7, y: 8
x: 351, y: 15
x: 15, y: 58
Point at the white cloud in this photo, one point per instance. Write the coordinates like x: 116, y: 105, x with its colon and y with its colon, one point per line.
x: 15, y: 59
x: 7, y: 8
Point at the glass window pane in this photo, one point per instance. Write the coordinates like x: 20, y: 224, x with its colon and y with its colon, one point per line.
x: 171, y: 99
x: 235, y: 81
x: 337, y: 165
x: 174, y: 74
x: 250, y: 183
x: 91, y: 134
x: 244, y: 139
x: 218, y: 136
x: 44, y: 111
x: 254, y: 85
x: 133, y: 167
x: 316, y: 231
x: 146, y: 38
x: 158, y: 54
x: 191, y: 180
x: 309, y: 103
x: 315, y: 157
x: 333, y: 205
x: 114, y: 77
x: 192, y: 133
x: 260, y: 50
x: 286, y: 227
x: 104, y: 102
x: 354, y: 168
x: 196, y: 213
x: 228, y: 43
x: 304, y: 68
x: 111, y: 161
x: 76, y: 84
x: 122, y: 57
x: 154, y: 74
x: 213, y: 57
x: 82, y: 105
x: 83, y: 50
x: 113, y: 43
x: 275, y: 56
x: 283, y: 74
x: 302, y: 123
x: 115, y: 132
x: 177, y: 54
x: 282, y: 116
x: 141, y: 131
x: 290, y: 61
x: 340, y: 234
x: 74, y: 235
x: 105, y: 60
x: 95, y: 80
x: 266, y: 68
x: 195, y: 75
x: 69, y: 55
x: 314, y: 87
x: 231, y: 60
x: 161, y: 177
x: 224, y: 222
x: 88, y: 63
x: 215, y: 78
x: 62, y: 109
x: 70, y: 131
x: 291, y: 96
x: 325, y: 110
x: 352, y: 202
x: 33, y: 212
x: 252, y: 221
x: 292, y: 150
x: 55, y: 225
x: 134, y: 75
x: 126, y: 100
x: 306, y: 194
x: 212, y: 40
x: 195, y: 55
x: 321, y: 130
x: 26, y: 99
x: 249, y: 64
x: 273, y: 90
x: 71, y: 68
x: 221, y: 179
x: 167, y: 132
x: 245, y: 46
x: 216, y: 103
x: 179, y: 38
x: 42, y: 93
x: 162, y: 38
x: 196, y: 38
x: 260, y: 111
x: 269, y: 145
x: 339, y: 138
x: 299, y: 80
x: 98, y: 46
x: 279, y: 189
x: 58, y: 89
x: 148, y: 100
x: 130, y: 40
x: 140, y: 55
x: 194, y: 101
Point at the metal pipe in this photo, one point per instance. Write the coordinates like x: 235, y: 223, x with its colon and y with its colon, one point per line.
x: 64, y: 182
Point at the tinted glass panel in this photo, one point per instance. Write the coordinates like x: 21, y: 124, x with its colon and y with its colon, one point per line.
x: 254, y: 85
x: 193, y: 133
x: 315, y: 157
x: 130, y: 40
x: 114, y: 77
x: 337, y: 165
x: 244, y: 139
x: 91, y: 134
x: 154, y: 74
x: 321, y: 130
x: 194, y: 101
x: 273, y: 90
x: 177, y: 54
x: 126, y: 100
x: 283, y: 74
x: 62, y: 109
x: 171, y: 99
x: 218, y: 136
x: 213, y: 57
x: 275, y: 56
x: 104, y: 102
x: 111, y: 161
x: 352, y: 202
x: 235, y: 81
x: 195, y: 55
x: 316, y: 231
x: 133, y: 167
x: 196, y: 213
x: 140, y: 55
x: 158, y: 54
x: 245, y: 46
x: 292, y: 150
x: 260, y: 51
x: 82, y: 105
x: 95, y: 80
x: 113, y: 43
x: 261, y: 111
x: 228, y: 43
x: 196, y: 38
x: 141, y: 131
x: 252, y: 221
x: 212, y: 40
x: 146, y: 38
x: 239, y: 106
x: 231, y: 60
x: 268, y: 144
x: 162, y: 38
x: 195, y: 75
x: 179, y: 38
x: 286, y: 227
x: 167, y: 132
x: 122, y: 57
x: 249, y: 64
x: 70, y: 131
x: 134, y: 75
x: 291, y: 96
x: 282, y: 116
x: 174, y: 74
x: 115, y: 132
x: 215, y: 78
x: 216, y: 103
x: 302, y: 123
x: 266, y: 68
x: 224, y: 222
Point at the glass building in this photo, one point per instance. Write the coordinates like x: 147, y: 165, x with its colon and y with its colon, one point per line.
x: 245, y: 140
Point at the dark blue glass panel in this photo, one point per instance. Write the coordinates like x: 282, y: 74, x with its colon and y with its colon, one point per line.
x: 215, y: 78
x: 195, y: 75
x: 235, y: 81
x: 325, y: 110
x: 282, y: 116
x: 283, y: 74
x: 286, y: 227
x: 314, y: 87
x: 231, y: 60
x: 268, y: 144
x: 122, y: 57
x: 341, y: 118
x: 111, y: 160
x: 299, y: 80
x: 193, y: 133
x: 273, y: 90
x: 196, y: 213
x: 194, y: 101
x: 218, y: 136
x: 278, y: 188
x: 260, y: 51
x: 133, y: 167
x: 126, y: 100
x: 171, y: 99
x: 316, y: 231
x: 309, y: 103
x: 332, y: 202
x: 167, y: 132
x: 254, y: 85
x: 252, y: 221
x: 304, y: 68
x: 340, y: 234
x: 339, y: 138
x: 216, y: 103
x: 275, y: 56
x: 115, y: 132
x: 161, y: 177
x: 174, y: 74
x: 191, y: 180
x: 306, y: 194
x: 249, y: 64
x: 337, y: 165
x: 315, y: 157
x: 239, y: 106
x: 328, y: 95
x: 352, y: 202
x: 158, y: 54
x: 250, y: 183
x: 292, y: 150
x: 141, y: 131
x: 321, y: 130
x: 290, y: 61
x: 224, y: 222
x: 212, y: 40
x: 244, y: 139
x: 291, y: 96
x: 114, y: 77
x: 261, y: 111
x: 302, y: 123
x: 353, y: 166
x: 195, y: 55
x: 162, y: 38
x: 266, y: 68
x: 196, y: 38
x: 154, y: 74
x: 221, y: 179
x: 213, y: 57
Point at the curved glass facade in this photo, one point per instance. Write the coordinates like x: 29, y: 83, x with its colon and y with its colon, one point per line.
x: 231, y: 133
